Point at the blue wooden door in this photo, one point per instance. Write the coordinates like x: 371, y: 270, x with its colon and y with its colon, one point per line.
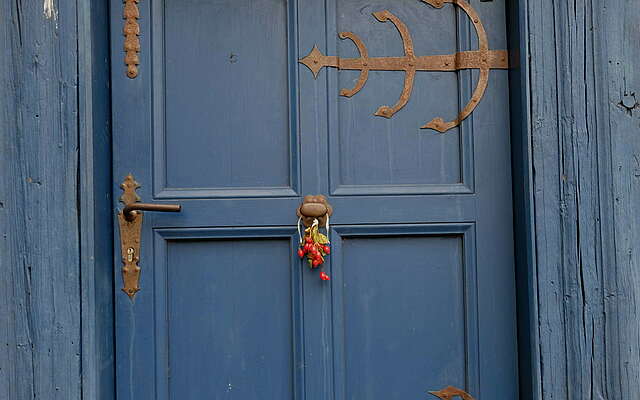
x: 223, y: 119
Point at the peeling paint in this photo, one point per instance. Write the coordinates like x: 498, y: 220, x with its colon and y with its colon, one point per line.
x: 49, y: 10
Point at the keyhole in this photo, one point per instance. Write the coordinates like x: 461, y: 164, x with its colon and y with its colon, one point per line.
x: 130, y: 252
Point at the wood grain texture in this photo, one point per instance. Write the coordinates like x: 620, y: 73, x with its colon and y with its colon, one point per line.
x: 96, y: 214
x: 586, y: 151
x: 39, y: 249
x: 621, y: 117
x: 584, y: 127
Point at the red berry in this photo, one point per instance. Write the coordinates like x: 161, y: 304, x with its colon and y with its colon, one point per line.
x: 307, y: 247
x: 315, y: 253
x: 324, y: 276
x: 327, y: 249
x: 308, y: 239
x: 316, y: 262
x: 300, y: 253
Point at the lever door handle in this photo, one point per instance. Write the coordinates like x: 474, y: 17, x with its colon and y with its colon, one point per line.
x: 130, y: 221
x: 129, y: 210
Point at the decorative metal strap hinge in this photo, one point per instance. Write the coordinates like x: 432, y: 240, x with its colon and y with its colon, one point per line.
x: 130, y: 222
x: 483, y: 59
x: 131, y: 33
x: 450, y: 393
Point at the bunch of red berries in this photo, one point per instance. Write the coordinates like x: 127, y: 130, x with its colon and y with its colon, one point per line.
x: 315, y: 251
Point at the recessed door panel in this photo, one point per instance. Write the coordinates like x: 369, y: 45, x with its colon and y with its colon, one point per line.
x: 232, y: 132
x: 221, y: 294
x: 376, y: 155
x: 395, y: 315
x: 405, y: 310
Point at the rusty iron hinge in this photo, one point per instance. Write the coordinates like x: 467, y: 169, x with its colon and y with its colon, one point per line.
x: 450, y: 393
x: 131, y: 33
x: 483, y: 59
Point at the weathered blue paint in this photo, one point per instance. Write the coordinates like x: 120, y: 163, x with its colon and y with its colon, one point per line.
x: 235, y: 130
x: 40, y: 302
x: 56, y: 330
x: 578, y: 119
x: 96, y: 276
x: 524, y: 225
x: 584, y: 125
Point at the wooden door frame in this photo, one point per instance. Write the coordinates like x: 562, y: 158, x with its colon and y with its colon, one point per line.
x: 95, y: 202
x: 523, y: 202
x: 97, y: 206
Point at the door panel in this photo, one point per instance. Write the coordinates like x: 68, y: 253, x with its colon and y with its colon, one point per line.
x: 227, y: 314
x: 373, y: 155
x: 220, y: 294
x: 223, y: 120
x: 234, y: 133
x: 405, y: 313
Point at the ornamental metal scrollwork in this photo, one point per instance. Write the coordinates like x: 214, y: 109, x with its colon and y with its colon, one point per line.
x: 482, y: 59
x: 131, y: 33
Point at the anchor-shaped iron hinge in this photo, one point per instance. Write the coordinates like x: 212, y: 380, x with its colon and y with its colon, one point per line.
x: 483, y: 59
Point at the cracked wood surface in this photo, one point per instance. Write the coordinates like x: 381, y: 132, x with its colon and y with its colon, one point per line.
x: 586, y: 152
x: 586, y: 144
x: 39, y: 252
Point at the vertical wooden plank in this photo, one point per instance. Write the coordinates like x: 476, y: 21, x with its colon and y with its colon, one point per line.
x: 524, y: 225
x: 585, y: 157
x: 621, y: 227
x: 96, y: 214
x: 40, y: 303
x: 547, y: 202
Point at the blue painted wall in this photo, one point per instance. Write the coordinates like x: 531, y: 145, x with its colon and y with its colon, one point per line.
x: 585, y: 131
x: 40, y: 304
x: 55, y: 238
x: 581, y: 133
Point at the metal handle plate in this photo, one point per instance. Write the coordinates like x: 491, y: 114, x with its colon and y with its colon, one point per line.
x: 130, y: 222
